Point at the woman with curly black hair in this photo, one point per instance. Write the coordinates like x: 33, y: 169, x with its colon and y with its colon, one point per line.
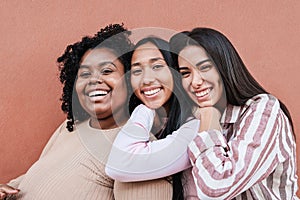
x: 95, y: 99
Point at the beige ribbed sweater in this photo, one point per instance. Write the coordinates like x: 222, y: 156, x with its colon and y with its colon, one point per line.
x: 72, y: 166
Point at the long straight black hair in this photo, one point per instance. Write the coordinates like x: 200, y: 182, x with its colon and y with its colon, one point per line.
x: 174, y: 116
x: 239, y: 84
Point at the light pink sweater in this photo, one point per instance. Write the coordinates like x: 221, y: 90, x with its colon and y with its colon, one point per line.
x: 72, y: 167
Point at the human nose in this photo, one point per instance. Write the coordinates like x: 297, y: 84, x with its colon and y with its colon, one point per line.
x: 96, y: 78
x: 197, y: 79
x: 149, y: 76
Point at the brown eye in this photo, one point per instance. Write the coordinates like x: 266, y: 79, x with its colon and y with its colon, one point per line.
x: 84, y: 74
x: 106, y: 71
x: 205, y: 68
x: 157, y: 66
x: 136, y: 72
x: 184, y: 71
x: 185, y: 74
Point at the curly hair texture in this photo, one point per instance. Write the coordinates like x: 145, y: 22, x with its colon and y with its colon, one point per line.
x: 114, y: 37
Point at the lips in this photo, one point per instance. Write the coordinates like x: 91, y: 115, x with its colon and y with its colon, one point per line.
x: 151, y: 91
x: 97, y: 93
x: 202, y: 93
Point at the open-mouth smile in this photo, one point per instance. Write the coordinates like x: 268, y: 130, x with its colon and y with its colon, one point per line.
x: 202, y: 93
x: 151, y: 92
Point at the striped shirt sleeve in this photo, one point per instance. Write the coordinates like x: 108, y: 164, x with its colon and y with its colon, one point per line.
x: 223, y: 170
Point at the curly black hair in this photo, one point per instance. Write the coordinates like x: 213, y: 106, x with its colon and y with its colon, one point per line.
x: 114, y: 37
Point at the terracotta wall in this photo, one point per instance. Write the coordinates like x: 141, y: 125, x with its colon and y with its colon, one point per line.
x: 35, y: 33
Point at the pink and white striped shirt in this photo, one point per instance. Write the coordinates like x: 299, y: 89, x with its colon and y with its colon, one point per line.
x: 253, y: 157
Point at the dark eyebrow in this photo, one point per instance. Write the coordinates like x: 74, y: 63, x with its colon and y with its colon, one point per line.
x: 183, y: 68
x: 106, y: 63
x: 203, y: 61
x: 101, y: 64
x: 135, y: 64
x: 152, y: 60
x: 156, y: 59
x: 83, y: 66
x: 199, y: 63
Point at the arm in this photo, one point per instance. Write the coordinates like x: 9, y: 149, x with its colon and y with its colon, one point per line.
x: 53, y: 138
x: 15, y: 182
x: 135, y: 158
x: 223, y: 170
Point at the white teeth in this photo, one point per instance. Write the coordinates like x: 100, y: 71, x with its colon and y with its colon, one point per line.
x: 202, y: 93
x: 98, y: 93
x: 151, y: 92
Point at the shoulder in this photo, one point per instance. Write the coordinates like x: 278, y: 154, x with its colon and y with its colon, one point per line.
x: 62, y: 128
x: 56, y: 136
x: 262, y: 104
x: 263, y: 100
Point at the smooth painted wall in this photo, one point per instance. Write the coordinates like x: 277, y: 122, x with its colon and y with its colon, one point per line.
x: 34, y: 33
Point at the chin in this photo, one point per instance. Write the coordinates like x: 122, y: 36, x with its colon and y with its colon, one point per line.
x: 154, y: 105
x: 205, y: 104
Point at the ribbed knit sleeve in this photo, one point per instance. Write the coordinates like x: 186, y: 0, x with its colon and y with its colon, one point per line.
x: 154, y: 189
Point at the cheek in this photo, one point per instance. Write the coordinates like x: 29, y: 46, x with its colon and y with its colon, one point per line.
x: 185, y: 84
x: 169, y: 82
x: 79, y: 86
x: 123, y: 89
x: 220, y: 86
x: 135, y: 82
x: 116, y: 82
x: 222, y: 90
x: 119, y: 89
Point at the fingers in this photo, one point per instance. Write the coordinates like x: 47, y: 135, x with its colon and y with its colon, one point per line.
x: 7, y: 190
x: 199, y: 112
x: 2, y: 195
x: 209, y: 118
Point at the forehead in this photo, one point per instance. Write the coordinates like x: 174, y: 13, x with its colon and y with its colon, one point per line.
x: 95, y: 56
x: 145, y: 52
x: 192, y: 55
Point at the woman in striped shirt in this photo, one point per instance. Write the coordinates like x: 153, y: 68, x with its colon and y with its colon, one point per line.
x: 245, y: 148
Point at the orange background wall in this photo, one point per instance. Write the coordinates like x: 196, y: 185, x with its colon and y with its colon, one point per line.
x: 35, y: 33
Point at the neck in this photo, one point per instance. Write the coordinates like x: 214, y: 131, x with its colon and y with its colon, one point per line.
x: 110, y: 122
x: 221, y: 105
x: 159, y: 120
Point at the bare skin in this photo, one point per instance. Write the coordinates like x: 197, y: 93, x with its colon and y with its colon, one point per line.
x: 209, y: 117
x: 6, y: 190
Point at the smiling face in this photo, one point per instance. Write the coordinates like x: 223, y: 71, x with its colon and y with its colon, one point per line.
x: 151, y: 78
x: 100, y: 85
x: 200, y: 77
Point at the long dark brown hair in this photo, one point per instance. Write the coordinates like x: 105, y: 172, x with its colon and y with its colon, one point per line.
x: 175, y: 104
x: 239, y: 84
